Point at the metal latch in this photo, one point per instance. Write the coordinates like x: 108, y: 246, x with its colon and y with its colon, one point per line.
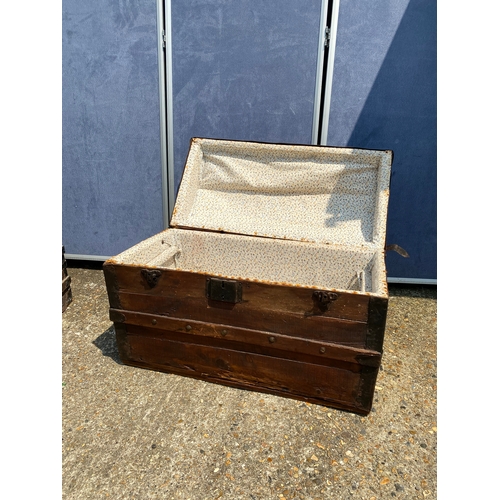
x: 324, y: 299
x: 224, y: 290
x: 151, y: 276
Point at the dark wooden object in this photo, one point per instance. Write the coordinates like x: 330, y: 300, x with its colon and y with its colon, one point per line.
x: 277, y: 339
x: 67, y: 297
x: 322, y: 346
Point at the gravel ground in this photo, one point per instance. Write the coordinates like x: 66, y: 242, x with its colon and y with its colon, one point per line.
x: 130, y: 433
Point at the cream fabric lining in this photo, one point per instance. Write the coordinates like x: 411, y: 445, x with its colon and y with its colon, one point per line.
x: 303, y: 193
x: 330, y: 267
x: 305, y: 216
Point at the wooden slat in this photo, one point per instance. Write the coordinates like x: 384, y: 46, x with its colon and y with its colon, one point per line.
x: 67, y: 298
x: 280, y: 298
x: 332, y: 386
x: 324, y: 329
x: 66, y: 282
x: 257, y: 341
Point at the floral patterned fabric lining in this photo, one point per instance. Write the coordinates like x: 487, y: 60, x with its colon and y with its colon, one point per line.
x: 303, y: 193
x: 241, y: 257
x: 301, y: 215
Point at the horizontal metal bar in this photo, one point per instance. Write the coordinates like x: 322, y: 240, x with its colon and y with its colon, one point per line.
x: 77, y: 256
x: 413, y: 281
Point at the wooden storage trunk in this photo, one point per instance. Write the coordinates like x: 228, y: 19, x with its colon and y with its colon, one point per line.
x: 67, y: 297
x: 271, y: 276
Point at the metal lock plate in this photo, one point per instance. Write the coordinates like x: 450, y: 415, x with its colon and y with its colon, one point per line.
x: 224, y: 290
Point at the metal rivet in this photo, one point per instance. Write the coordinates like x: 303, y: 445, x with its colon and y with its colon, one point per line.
x: 272, y: 339
x: 153, y: 322
x: 224, y: 333
x: 322, y: 350
x: 188, y: 328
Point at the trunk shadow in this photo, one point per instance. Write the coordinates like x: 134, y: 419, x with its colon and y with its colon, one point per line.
x: 106, y: 342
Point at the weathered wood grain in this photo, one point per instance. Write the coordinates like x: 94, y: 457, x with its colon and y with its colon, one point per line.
x: 67, y: 298
x: 281, y: 298
x: 111, y: 285
x: 278, y: 339
x: 253, y: 340
x: 295, y: 324
x: 331, y: 386
x: 66, y: 282
x: 377, y: 315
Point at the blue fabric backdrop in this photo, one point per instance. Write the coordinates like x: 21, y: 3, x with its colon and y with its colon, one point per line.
x: 111, y: 148
x: 384, y: 97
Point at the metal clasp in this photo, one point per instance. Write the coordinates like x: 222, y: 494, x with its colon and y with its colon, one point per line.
x: 151, y: 276
x: 224, y: 290
x: 324, y: 299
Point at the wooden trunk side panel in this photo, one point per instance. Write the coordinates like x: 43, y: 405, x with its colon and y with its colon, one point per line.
x: 320, y: 328
x: 67, y: 298
x: 352, y: 361
x: 178, y: 284
x: 244, y: 339
x: 332, y: 386
x: 66, y: 282
x: 377, y: 315
x: 111, y: 285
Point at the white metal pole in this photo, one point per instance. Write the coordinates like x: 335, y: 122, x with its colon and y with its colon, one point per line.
x: 329, y: 72
x: 163, y: 126
x: 319, y: 72
x: 170, y: 106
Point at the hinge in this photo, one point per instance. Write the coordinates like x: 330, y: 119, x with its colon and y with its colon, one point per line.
x: 163, y: 38
x: 327, y: 36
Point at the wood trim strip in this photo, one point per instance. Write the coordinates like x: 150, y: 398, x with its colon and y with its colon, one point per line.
x: 66, y: 282
x: 377, y: 315
x: 111, y: 284
x: 67, y: 298
x: 272, y: 341
x: 331, y: 330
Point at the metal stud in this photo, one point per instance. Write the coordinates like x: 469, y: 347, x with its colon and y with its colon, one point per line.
x: 272, y: 340
x: 188, y: 328
x: 322, y: 350
x: 223, y: 333
x: 153, y: 322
